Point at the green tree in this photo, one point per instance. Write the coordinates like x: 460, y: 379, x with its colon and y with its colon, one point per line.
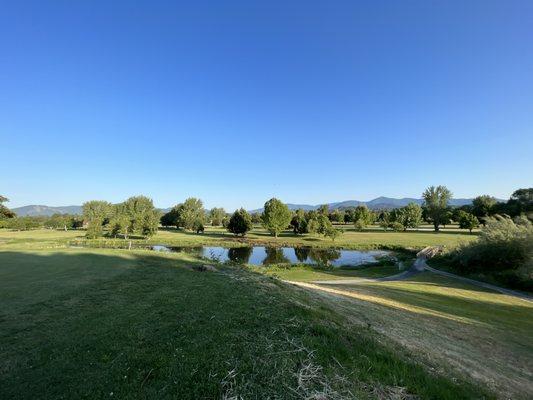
x: 467, y: 221
x: 120, y: 222
x: 483, y: 206
x: 96, y: 213
x: 324, y: 224
x: 362, y: 217
x: 142, y: 215
x: 167, y: 219
x: 256, y: 218
x: 59, y: 221
x: 336, y: 216
x: 216, y: 215
x: 276, y: 216
x: 192, y: 214
x: 409, y: 216
x: 323, y: 210
x: 333, y: 233
x: 298, y: 222
x: 240, y: 222
x: 5, y: 212
x: 312, y: 226
x: 523, y: 199
x: 385, y: 219
x: 436, y: 204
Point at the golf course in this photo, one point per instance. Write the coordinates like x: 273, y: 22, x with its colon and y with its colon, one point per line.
x: 84, y: 322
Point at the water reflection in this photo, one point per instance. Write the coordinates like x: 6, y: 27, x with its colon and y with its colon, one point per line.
x: 240, y: 255
x: 260, y: 255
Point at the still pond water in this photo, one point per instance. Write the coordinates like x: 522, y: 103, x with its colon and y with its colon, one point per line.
x: 259, y: 255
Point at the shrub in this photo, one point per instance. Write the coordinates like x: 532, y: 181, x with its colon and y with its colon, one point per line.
x: 397, y: 226
x: 503, y: 245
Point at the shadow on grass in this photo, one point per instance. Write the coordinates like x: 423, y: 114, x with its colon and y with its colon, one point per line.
x: 87, y: 324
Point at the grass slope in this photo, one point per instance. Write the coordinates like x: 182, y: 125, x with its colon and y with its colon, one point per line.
x: 487, y: 336
x: 116, y: 324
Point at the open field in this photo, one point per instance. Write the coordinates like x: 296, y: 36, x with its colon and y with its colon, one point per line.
x: 351, y: 239
x: 111, y: 323
x: 138, y: 324
x: 485, y: 335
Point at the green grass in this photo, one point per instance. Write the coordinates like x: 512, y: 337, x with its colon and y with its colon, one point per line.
x: 307, y: 273
x: 351, y: 239
x: 88, y: 322
x: 111, y: 323
x: 488, y: 336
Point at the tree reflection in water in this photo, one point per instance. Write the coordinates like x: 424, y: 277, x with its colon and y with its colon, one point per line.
x: 240, y: 255
x: 302, y: 253
x: 324, y: 256
x: 274, y: 255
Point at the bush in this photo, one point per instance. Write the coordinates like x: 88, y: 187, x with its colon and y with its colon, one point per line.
x: 397, y: 226
x: 503, y: 244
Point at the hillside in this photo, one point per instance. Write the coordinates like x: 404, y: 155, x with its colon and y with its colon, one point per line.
x: 40, y: 210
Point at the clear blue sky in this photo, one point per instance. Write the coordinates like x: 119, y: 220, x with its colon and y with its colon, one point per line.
x: 236, y: 102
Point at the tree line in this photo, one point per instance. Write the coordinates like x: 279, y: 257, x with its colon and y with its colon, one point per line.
x: 137, y: 216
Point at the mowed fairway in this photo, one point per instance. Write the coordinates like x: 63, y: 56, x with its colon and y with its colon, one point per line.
x: 351, y: 239
x: 104, y: 323
x: 487, y: 336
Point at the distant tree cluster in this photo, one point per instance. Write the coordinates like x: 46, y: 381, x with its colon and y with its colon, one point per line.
x: 136, y: 216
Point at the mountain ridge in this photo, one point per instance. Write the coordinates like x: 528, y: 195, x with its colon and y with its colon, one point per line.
x: 379, y: 203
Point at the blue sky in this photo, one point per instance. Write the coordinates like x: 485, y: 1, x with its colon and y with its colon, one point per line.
x: 237, y: 102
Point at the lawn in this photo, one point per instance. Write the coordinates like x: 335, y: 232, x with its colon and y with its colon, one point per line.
x: 487, y: 336
x: 351, y: 239
x: 93, y: 323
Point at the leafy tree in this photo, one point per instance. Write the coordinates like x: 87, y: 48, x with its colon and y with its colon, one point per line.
x: 362, y: 216
x: 323, y: 210
x: 216, y: 215
x: 336, y: 216
x: 385, y: 219
x: 436, y: 204
x: 120, y: 222
x: 333, y: 233
x: 312, y: 226
x: 324, y: 224
x: 4, y: 211
x: 409, y: 216
x: 256, y: 218
x: 59, y: 221
x: 298, y: 222
x: 348, y: 215
x: 192, y: 214
x: 167, y: 219
x: 468, y: 221
x: 240, y: 222
x: 96, y: 213
x: 142, y: 215
x: 523, y: 199
x: 483, y: 207
x: 276, y: 216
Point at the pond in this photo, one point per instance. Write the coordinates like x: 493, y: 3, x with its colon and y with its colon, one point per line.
x: 260, y: 255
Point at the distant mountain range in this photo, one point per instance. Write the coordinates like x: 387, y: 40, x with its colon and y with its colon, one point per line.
x: 379, y: 203
x: 37, y: 211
